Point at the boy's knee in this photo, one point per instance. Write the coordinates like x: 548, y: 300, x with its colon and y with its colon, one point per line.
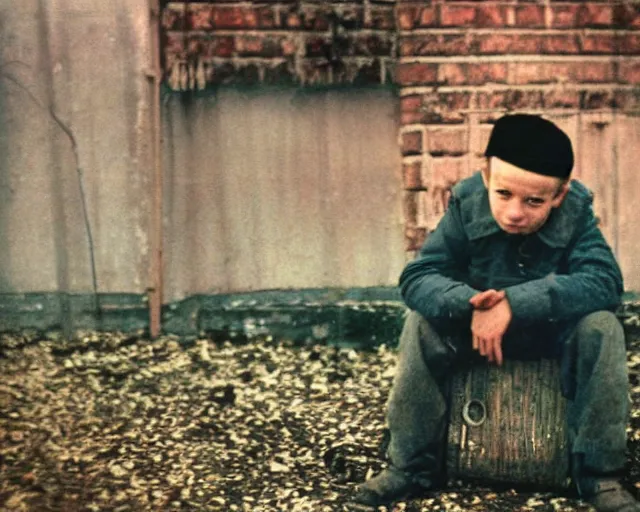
x: 603, y: 323
x: 599, y: 330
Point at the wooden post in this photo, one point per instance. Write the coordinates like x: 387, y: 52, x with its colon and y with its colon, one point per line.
x: 155, y: 290
x: 507, y: 424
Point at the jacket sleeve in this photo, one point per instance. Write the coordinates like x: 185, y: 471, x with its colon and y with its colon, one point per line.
x: 592, y: 281
x: 431, y: 284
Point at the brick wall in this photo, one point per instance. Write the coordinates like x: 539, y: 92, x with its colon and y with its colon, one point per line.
x: 458, y: 64
x: 463, y: 64
x: 278, y: 42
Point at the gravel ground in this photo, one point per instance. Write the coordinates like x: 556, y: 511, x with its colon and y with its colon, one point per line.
x: 114, y: 422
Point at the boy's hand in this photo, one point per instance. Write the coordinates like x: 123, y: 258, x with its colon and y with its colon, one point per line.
x: 487, y: 299
x: 488, y: 327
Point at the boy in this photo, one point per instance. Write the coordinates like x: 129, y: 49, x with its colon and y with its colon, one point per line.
x: 516, y: 268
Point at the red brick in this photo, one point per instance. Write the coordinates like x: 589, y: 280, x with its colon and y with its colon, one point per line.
x: 530, y: 16
x: 626, y: 16
x: 259, y: 46
x: 410, y: 204
x: 595, y: 72
x: 440, y: 108
x: 416, y: 17
x: 452, y: 74
x: 491, y: 100
x: 479, y: 140
x: 249, y: 45
x: 408, y: 47
x: 416, y: 73
x: 407, y: 16
x: 591, y: 100
x: 560, y: 98
x: 629, y: 44
x: 494, y: 72
x: 194, y: 46
x: 455, y: 100
x: 629, y: 72
x: 289, y: 47
x: 434, y: 44
x: 598, y: 44
x: 447, y: 142
x: 488, y: 16
x: 267, y: 18
x: 292, y: 20
x: 411, y: 103
x: 174, y: 44
x: 412, y: 143
x: 510, y: 100
x: 627, y: 101
x: 594, y: 15
x: 560, y: 72
x: 529, y: 73
x: 412, y: 176
x: 583, y: 15
x: 432, y: 205
x: 234, y: 17
x: 428, y: 17
x: 446, y: 172
x: 497, y: 43
x: 560, y: 44
x: 411, y: 118
x: 457, y: 16
x: 199, y: 17
x: 501, y: 44
x: 564, y: 16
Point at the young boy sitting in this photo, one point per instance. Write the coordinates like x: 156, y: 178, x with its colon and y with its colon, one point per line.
x: 517, y: 268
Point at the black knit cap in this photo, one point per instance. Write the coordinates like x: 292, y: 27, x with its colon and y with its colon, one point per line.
x: 531, y: 143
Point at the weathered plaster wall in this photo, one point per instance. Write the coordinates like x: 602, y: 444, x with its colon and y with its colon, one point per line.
x: 273, y: 189
x: 85, y: 60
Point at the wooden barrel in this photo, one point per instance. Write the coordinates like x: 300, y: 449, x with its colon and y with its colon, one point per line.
x: 507, y: 424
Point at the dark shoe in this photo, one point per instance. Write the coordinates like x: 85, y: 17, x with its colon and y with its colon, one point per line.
x: 607, y: 495
x: 392, y: 485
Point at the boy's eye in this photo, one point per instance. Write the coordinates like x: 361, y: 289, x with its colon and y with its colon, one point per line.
x: 534, y: 201
x: 503, y: 193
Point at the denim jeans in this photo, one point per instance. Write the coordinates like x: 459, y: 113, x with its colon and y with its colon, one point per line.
x: 594, y: 380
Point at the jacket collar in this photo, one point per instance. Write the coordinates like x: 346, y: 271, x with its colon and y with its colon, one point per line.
x: 556, y: 232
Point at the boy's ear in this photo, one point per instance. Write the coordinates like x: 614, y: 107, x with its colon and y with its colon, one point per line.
x: 560, y: 195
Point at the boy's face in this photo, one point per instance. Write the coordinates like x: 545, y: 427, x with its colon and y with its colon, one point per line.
x: 520, y: 200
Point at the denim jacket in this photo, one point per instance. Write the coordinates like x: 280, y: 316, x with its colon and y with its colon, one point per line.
x: 558, y: 274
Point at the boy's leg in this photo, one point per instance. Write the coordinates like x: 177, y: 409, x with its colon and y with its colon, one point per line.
x: 416, y: 416
x: 596, y: 384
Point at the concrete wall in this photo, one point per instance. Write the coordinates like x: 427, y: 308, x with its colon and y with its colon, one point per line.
x: 85, y: 60
x: 282, y: 189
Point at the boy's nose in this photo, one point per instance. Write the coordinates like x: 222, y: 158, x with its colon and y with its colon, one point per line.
x: 514, y: 212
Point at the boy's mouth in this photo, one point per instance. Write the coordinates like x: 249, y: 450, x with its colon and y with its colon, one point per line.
x: 513, y: 228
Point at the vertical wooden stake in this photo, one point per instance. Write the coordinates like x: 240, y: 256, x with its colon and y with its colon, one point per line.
x: 155, y: 290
